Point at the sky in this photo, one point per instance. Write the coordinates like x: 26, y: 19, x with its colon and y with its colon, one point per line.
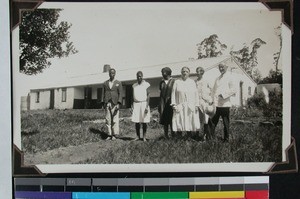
x: 128, y: 35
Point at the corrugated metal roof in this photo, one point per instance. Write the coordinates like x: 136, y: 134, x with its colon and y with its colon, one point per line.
x: 129, y: 74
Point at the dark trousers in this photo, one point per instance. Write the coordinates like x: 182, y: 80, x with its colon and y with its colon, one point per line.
x: 224, y: 113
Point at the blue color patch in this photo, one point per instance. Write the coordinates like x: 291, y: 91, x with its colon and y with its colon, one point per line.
x: 42, y: 195
x: 102, y: 195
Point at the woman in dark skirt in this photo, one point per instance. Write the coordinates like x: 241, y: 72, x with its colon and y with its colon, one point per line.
x: 164, y: 108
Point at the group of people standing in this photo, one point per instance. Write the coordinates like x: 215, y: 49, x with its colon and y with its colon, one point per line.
x: 185, y: 104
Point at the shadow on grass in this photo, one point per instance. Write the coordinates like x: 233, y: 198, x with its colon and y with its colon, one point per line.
x: 102, y: 134
x: 126, y: 138
x: 29, y: 132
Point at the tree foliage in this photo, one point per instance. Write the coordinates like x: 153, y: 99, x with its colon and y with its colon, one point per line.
x: 276, y: 56
x: 210, y: 47
x: 256, y: 75
x: 275, y: 76
x: 247, y: 57
x: 43, y: 37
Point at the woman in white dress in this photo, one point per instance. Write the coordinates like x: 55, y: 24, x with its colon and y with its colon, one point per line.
x: 140, y: 106
x: 206, y: 108
x: 185, y: 102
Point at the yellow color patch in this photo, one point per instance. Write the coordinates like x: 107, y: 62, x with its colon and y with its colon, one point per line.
x: 217, y: 194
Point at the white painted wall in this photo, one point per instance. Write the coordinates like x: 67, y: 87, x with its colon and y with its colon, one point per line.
x: 44, y: 102
x: 270, y: 87
x: 58, y: 103
x: 78, y: 92
x: 154, y: 87
x: 94, y: 92
x: 211, y: 76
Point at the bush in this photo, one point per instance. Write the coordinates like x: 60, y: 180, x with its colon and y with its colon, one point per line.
x: 243, y: 113
x: 257, y: 101
x: 271, y: 109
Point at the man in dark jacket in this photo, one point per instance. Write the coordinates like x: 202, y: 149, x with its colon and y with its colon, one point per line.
x: 112, y: 102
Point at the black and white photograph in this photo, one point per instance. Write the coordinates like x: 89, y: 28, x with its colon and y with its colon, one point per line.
x: 164, y: 87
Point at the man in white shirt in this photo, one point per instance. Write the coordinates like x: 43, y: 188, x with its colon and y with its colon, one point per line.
x: 222, y: 91
x: 112, y: 102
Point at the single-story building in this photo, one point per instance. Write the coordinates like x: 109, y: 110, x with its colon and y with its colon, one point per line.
x: 86, y: 91
x: 265, y: 89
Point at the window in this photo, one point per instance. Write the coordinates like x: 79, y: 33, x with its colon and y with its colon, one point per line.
x: 249, y: 90
x: 99, y: 94
x: 37, y: 99
x: 64, y: 95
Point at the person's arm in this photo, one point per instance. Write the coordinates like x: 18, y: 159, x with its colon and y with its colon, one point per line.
x: 160, y: 104
x: 214, y: 95
x: 147, y: 100
x: 120, y: 94
x: 132, y: 97
x: 173, y: 94
x: 206, y: 93
x: 230, y: 91
x: 197, y: 101
x: 104, y: 95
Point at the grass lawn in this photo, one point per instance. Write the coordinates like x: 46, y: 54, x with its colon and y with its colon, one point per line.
x: 55, y: 130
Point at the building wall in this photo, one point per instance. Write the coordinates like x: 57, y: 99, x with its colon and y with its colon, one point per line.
x: 249, y: 88
x: 94, y: 92
x: 269, y: 87
x: 238, y: 76
x: 154, y: 87
x: 58, y: 103
x: 25, y: 103
x: 44, y: 101
x: 78, y: 92
x: 76, y: 99
x: 265, y: 89
x: 210, y: 76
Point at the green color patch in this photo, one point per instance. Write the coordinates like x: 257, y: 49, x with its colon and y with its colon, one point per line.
x: 160, y: 195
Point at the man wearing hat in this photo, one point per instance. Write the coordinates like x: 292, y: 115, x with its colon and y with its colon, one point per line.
x: 223, y: 90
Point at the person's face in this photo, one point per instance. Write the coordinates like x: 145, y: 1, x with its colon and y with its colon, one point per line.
x: 222, y: 68
x: 185, y: 73
x: 112, y: 74
x: 165, y: 74
x: 139, y: 77
x: 200, y: 72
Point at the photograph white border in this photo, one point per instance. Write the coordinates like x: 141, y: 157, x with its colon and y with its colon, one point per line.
x: 5, y: 108
x: 202, y: 167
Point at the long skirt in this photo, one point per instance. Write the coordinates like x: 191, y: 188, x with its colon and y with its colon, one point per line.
x: 185, y: 119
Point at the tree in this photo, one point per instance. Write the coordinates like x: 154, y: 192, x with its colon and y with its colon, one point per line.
x: 247, y: 59
x: 210, y: 47
x: 256, y: 75
x: 275, y: 76
x: 41, y: 38
x: 243, y: 57
x: 276, y: 55
x: 256, y: 44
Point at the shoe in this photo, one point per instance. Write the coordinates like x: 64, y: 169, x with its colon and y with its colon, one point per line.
x: 136, y: 139
x: 108, y: 138
x: 144, y: 140
x: 113, y: 138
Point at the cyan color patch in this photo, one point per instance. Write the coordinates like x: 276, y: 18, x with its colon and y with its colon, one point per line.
x: 101, y: 195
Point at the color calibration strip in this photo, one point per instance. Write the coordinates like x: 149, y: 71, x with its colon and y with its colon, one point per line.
x: 253, y: 187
